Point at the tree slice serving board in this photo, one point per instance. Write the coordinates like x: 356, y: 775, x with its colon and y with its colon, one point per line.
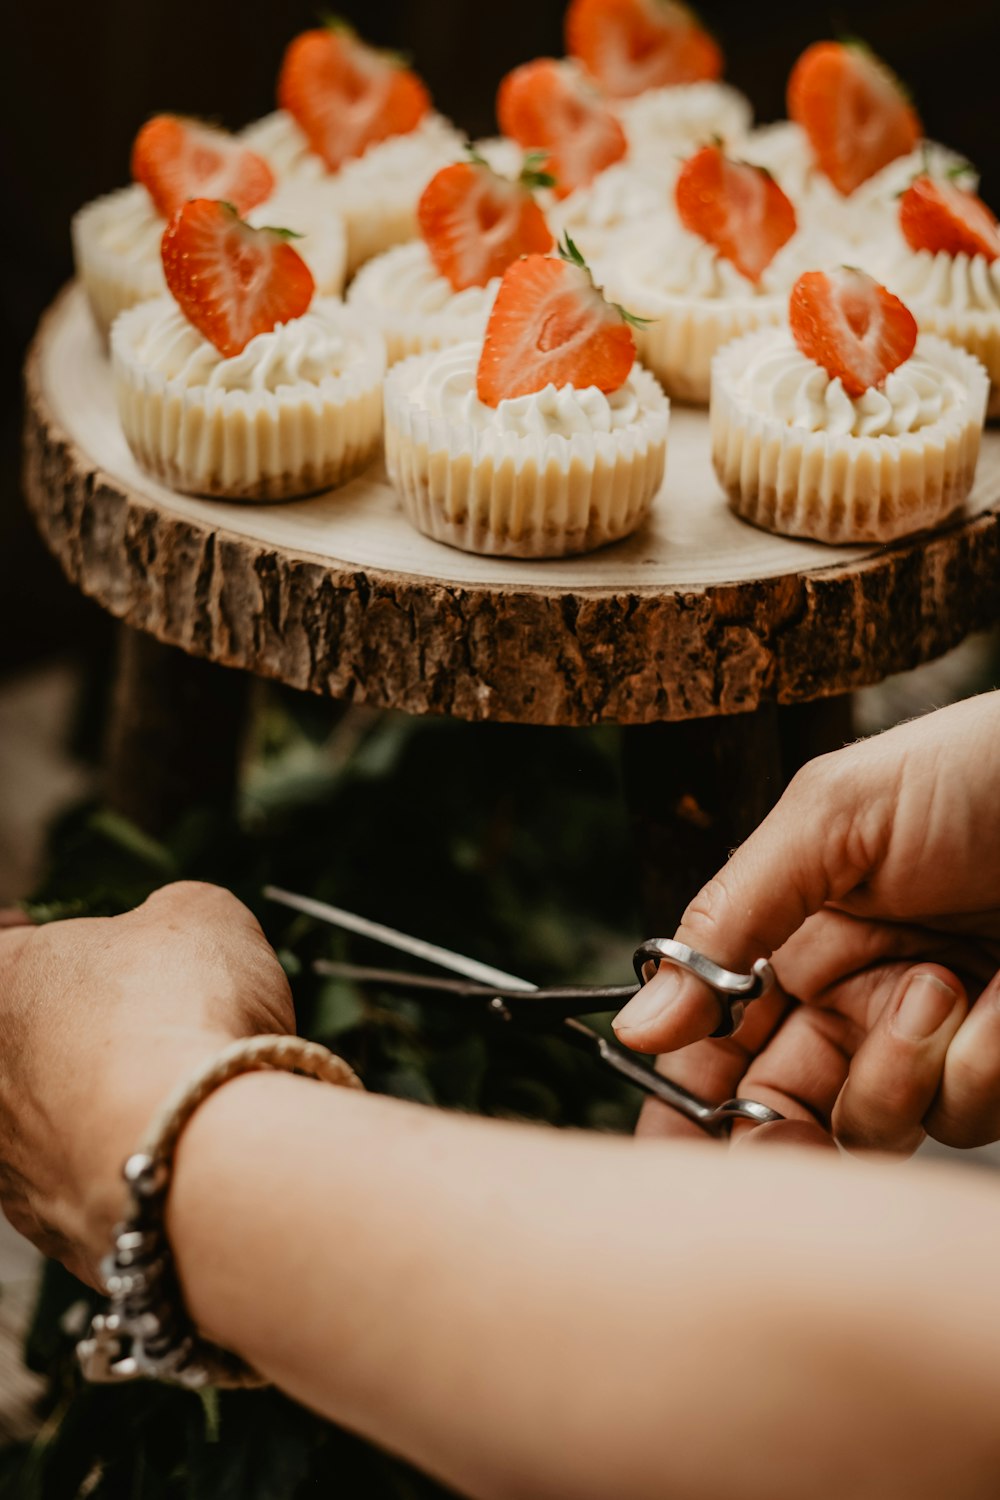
x: 697, y: 615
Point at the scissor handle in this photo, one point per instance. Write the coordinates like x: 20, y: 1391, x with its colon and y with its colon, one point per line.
x: 733, y: 991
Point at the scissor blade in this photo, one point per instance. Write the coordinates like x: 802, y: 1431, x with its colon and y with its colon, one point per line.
x: 455, y: 963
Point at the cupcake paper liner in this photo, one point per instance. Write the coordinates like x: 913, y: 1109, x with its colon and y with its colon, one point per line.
x: 247, y: 445
x: 508, y: 495
x: 680, y: 344
x: 841, y: 488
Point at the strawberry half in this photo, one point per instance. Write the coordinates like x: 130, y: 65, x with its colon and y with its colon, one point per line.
x: 632, y: 45
x: 551, y: 326
x: 474, y: 223
x: 736, y: 207
x: 552, y: 107
x: 346, y: 96
x: 853, y: 109
x: 851, y: 326
x: 232, y: 282
x: 937, y: 216
x: 177, y: 159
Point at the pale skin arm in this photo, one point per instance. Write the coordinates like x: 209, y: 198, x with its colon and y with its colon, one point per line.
x: 531, y: 1314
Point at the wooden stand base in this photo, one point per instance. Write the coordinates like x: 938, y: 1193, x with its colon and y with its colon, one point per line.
x: 175, y: 733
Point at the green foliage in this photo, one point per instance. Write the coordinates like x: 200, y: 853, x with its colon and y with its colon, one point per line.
x: 507, y: 843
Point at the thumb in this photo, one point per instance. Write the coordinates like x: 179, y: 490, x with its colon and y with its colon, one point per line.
x: 797, y: 860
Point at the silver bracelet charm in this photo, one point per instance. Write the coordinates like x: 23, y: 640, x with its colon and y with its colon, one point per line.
x: 145, y: 1333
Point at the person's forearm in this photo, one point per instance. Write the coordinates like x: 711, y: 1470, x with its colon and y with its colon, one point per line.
x: 477, y: 1297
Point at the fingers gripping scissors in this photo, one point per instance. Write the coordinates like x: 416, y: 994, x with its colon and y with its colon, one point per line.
x: 514, y: 1000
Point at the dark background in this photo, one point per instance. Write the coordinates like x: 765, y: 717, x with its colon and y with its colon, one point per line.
x: 78, y: 79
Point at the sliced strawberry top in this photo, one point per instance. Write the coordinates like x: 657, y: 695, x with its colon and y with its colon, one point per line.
x: 854, y: 111
x: 632, y: 45
x: 854, y: 328
x: 232, y: 282
x: 474, y: 223
x: 551, y: 326
x: 940, y: 217
x: 346, y: 96
x: 738, y: 208
x: 552, y: 106
x: 177, y: 159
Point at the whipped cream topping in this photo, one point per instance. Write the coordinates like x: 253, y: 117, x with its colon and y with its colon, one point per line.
x: 278, y: 138
x: 396, y: 159
x: 446, y: 388
x: 405, y: 280
x: 779, y: 381
x: 127, y: 224
x: 403, y: 162
x: 683, y: 116
x: 961, y: 283
x: 305, y: 350
x: 648, y: 265
x: 622, y: 194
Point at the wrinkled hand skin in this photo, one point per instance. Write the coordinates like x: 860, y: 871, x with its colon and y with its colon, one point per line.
x: 100, y: 1018
x: 875, y: 884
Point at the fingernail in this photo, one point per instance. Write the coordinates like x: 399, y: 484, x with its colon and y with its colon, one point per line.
x: 652, y: 1002
x: 926, y: 1004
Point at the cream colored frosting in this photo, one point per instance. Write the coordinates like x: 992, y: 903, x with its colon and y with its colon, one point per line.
x: 623, y: 194
x: 402, y: 163
x: 961, y: 283
x: 305, y: 350
x: 278, y: 138
x: 779, y: 381
x: 649, y: 265
x: 447, y: 389
x: 405, y: 280
x: 127, y: 225
x: 683, y: 116
x: 405, y: 160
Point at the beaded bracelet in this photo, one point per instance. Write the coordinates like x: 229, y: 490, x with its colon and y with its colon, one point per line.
x: 145, y: 1333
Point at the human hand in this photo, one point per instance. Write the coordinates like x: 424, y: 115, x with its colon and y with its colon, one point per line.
x: 100, y: 1019
x: 875, y: 884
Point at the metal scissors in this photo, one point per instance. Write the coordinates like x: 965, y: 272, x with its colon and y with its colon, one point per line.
x: 510, y: 999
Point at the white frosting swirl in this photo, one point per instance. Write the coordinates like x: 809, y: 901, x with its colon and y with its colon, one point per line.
x: 305, y: 350
x: 405, y: 280
x: 682, y: 116
x: 779, y: 381
x: 127, y: 225
x: 446, y: 388
x: 961, y: 283
x: 402, y: 163
x: 399, y: 160
x: 650, y: 264
x: 620, y: 195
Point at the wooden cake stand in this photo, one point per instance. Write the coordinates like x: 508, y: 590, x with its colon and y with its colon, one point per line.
x: 699, y: 622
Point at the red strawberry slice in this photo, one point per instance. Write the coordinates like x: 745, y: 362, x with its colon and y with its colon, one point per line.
x: 551, y: 326
x: 346, y: 96
x: 738, y: 208
x: 552, y: 107
x: 177, y: 159
x: 938, y: 216
x: 854, y: 111
x: 632, y: 45
x: 851, y: 326
x: 474, y: 223
x: 232, y: 282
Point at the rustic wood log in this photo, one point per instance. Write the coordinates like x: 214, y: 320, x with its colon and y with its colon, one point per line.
x: 697, y: 616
